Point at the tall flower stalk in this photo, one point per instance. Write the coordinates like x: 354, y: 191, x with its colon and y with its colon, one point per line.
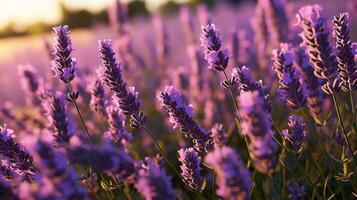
x: 345, y: 57
x: 127, y: 98
x: 315, y: 36
x: 64, y: 66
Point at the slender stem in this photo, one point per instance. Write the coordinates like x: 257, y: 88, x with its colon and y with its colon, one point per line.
x: 341, y: 123
x: 162, y: 153
x: 319, y: 139
x: 213, y: 185
x: 79, y: 113
x: 354, y: 123
x: 238, y: 119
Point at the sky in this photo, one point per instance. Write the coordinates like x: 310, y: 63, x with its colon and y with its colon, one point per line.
x: 24, y: 12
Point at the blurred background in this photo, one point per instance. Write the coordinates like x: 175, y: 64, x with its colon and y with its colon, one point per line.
x: 25, y: 29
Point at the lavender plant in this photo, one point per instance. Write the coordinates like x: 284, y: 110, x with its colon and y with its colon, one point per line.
x: 241, y: 155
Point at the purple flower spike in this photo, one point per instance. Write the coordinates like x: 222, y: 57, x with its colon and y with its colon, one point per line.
x: 18, y: 158
x: 31, y: 84
x: 315, y: 36
x: 98, y: 101
x: 345, y: 56
x: 153, y: 182
x: 127, y: 97
x: 190, y: 166
x: 117, y: 132
x: 313, y: 83
x: 58, y: 117
x: 63, y: 64
x: 256, y: 125
x: 296, y: 192
x: 246, y: 83
x: 219, y: 136
x: 216, y: 57
x: 181, y: 116
x: 233, y: 179
x: 298, y: 131
x: 291, y: 87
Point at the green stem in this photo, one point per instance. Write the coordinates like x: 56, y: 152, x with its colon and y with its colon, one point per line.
x: 341, y: 123
x: 319, y: 139
x: 238, y: 118
x: 213, y: 185
x: 79, y: 113
x: 163, y: 153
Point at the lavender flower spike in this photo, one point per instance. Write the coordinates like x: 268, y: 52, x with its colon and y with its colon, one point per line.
x: 291, y: 87
x: 127, y: 97
x: 31, y: 84
x: 17, y: 156
x: 219, y: 136
x: 256, y: 125
x: 216, y: 57
x: 313, y: 83
x: 246, y: 83
x: 345, y: 57
x: 63, y: 64
x: 153, y: 182
x: 98, y: 101
x: 315, y: 36
x: 296, y: 192
x: 58, y: 118
x: 298, y: 131
x: 181, y: 116
x: 233, y: 179
x: 117, y: 132
x: 190, y: 166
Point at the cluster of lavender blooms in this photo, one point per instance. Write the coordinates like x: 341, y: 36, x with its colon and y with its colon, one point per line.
x: 257, y: 126
x: 15, y: 159
x: 290, y: 86
x: 216, y: 57
x: 345, y: 55
x: 63, y: 64
x: 181, y: 116
x: 298, y: 131
x: 243, y: 78
x: 118, y: 160
x: 153, y: 182
x: 190, y: 167
x: 233, y: 180
x: 315, y: 36
x: 58, y: 118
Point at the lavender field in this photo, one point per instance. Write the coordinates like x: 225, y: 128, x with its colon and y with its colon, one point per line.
x: 249, y: 102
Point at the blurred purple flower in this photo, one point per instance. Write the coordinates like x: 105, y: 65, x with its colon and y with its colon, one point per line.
x: 19, y: 159
x: 297, y: 192
x: 63, y: 64
x: 345, y: 56
x: 98, y: 100
x: 31, y: 84
x: 313, y: 83
x: 219, y: 136
x: 153, y: 182
x: 58, y: 118
x: 290, y: 86
x: 117, y: 132
x: 181, y: 116
x: 190, y: 167
x: 298, y: 131
x: 256, y: 125
x: 233, y: 179
x: 277, y: 20
x: 315, y: 36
